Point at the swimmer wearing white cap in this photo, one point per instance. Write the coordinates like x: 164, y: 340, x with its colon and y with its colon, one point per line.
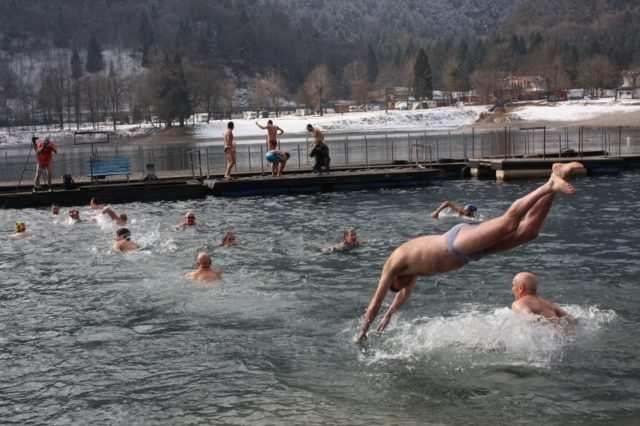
x: 467, y: 211
x: 204, y: 272
x: 123, y: 241
x: 525, y: 292
x: 433, y: 254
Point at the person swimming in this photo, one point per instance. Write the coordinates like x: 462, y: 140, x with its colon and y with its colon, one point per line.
x: 21, y: 231
x: 434, y: 254
x: 119, y: 219
x: 123, y: 241
x: 204, y: 272
x: 524, y: 288
x: 94, y: 205
x: 74, y: 216
x: 467, y: 211
x: 229, y: 239
x: 55, y: 210
x: 189, y: 221
x: 349, y: 241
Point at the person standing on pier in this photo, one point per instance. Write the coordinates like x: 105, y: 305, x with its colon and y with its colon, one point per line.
x: 44, y: 154
x: 273, y: 132
x: 229, y: 150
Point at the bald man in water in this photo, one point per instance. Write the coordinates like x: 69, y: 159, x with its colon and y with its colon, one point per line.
x: 204, y: 272
x: 433, y: 254
x: 525, y: 291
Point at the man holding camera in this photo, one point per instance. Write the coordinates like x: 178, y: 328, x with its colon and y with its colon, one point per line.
x: 44, y: 153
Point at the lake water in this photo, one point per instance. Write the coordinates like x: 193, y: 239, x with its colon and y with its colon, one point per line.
x: 92, y: 337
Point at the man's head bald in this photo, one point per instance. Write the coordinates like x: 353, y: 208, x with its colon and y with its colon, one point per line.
x: 526, y: 281
x: 204, y: 259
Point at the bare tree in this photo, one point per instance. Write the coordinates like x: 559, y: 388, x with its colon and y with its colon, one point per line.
x: 116, y: 89
x: 356, y: 76
x: 487, y: 83
x: 272, y: 87
x: 318, y: 86
x: 597, y: 73
x: 228, y: 93
x: 206, y: 85
x: 51, y: 96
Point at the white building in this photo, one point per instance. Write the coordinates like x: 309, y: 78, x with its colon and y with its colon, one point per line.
x: 630, y: 88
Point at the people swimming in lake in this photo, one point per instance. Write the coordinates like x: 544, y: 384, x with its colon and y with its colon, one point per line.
x: 123, y: 241
x: 55, y: 210
x: 204, y: 272
x: 94, y: 205
x: 189, y: 221
x: 433, y: 254
x: 21, y: 231
x: 349, y: 241
x: 119, y: 219
x: 229, y: 239
x: 74, y: 216
x: 468, y: 210
x: 525, y: 292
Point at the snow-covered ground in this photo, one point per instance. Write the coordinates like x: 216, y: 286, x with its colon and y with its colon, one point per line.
x: 574, y: 110
x: 429, y: 119
x: 20, y: 136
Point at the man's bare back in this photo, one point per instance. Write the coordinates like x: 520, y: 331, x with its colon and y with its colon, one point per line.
x: 525, y: 290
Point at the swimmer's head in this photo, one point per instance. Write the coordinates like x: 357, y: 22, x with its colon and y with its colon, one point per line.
x: 93, y: 202
x: 349, y: 236
x: 309, y: 128
x: 524, y: 284
x: 21, y: 227
x: 230, y: 125
x: 123, y: 234
x: 229, y: 239
x: 122, y: 219
x: 190, y: 218
x: 74, y: 214
x: 55, y: 210
x: 204, y: 260
x: 470, y: 209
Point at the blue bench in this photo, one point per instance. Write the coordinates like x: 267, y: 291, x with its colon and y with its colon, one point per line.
x: 99, y: 169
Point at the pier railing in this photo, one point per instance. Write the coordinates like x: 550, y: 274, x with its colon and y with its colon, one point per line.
x: 359, y: 150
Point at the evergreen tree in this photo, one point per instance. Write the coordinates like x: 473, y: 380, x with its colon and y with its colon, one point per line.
x: 372, y: 65
x: 422, y: 76
x: 76, y: 74
x: 146, y: 39
x: 95, y: 61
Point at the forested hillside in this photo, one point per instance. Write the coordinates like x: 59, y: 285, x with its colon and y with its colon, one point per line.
x: 299, y: 48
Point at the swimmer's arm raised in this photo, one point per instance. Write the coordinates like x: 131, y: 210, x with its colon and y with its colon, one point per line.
x: 109, y: 212
x: 398, y: 301
x: 443, y: 206
x: 258, y: 124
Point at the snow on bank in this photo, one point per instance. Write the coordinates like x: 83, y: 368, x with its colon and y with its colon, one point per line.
x: 22, y: 136
x: 574, y: 110
x: 430, y: 119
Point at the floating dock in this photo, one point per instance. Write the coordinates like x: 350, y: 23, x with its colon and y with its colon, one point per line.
x: 304, y: 183
x: 531, y: 168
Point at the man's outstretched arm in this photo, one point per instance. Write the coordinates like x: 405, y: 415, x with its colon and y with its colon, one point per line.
x: 385, y: 282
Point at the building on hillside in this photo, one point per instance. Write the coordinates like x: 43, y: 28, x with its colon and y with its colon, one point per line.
x: 630, y: 88
x: 574, y: 94
x: 524, y: 87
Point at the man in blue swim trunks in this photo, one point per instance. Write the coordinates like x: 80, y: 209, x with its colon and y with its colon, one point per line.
x: 278, y: 160
x: 463, y: 243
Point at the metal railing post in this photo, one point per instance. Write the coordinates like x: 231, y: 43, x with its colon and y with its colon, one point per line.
x: 261, y: 159
x: 473, y: 141
x: 346, y: 161
x: 366, y: 152
x: 544, y: 142
x: 299, y: 159
x: 249, y: 153
x: 450, y: 150
x: 619, y: 141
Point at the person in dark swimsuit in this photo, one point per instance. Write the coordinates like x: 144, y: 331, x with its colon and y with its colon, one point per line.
x: 433, y: 254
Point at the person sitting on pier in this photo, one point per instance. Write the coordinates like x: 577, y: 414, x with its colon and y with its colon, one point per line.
x: 525, y: 292
x: 189, y: 221
x: 432, y: 254
x: 349, y: 241
x: 204, y: 272
x: 229, y: 239
x: 467, y: 211
x: 94, y: 205
x: 74, y: 216
x: 21, y: 231
x: 123, y: 241
x: 55, y: 210
x: 273, y: 132
x: 119, y: 219
x: 278, y: 160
